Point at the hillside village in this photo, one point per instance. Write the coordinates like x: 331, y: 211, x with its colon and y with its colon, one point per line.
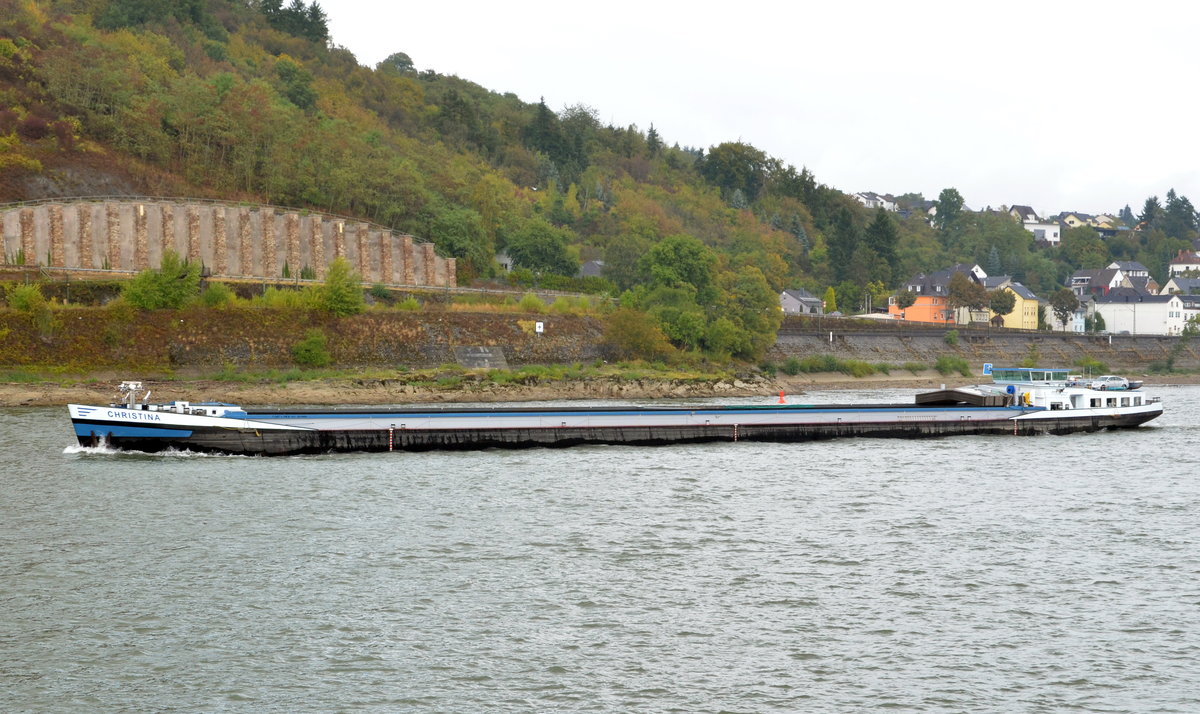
x: 1119, y: 298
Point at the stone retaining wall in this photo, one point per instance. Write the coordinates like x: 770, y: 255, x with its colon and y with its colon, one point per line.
x: 230, y: 241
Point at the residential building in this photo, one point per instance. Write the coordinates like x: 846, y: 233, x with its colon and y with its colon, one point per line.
x: 873, y: 200
x: 995, y: 282
x: 932, y: 291
x: 1132, y: 268
x: 1191, y: 308
x: 1024, y: 214
x: 1048, y: 233
x: 799, y: 301
x: 1129, y: 274
x: 1186, y: 263
x: 1075, y: 219
x: 1180, y: 285
x: 1024, y: 315
x: 1127, y: 311
x: 591, y: 269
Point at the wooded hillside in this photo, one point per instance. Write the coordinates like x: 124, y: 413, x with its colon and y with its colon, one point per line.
x: 247, y: 99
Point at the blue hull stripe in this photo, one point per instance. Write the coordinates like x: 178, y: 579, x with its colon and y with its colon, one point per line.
x: 126, y: 431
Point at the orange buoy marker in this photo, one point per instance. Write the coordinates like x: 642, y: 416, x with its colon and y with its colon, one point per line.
x: 781, y: 401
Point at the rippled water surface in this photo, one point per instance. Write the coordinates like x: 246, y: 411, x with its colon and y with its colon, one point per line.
x: 958, y: 574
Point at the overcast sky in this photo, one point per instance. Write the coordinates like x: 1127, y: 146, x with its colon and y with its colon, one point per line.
x: 1080, y: 106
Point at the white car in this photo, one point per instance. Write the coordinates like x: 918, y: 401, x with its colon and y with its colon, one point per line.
x: 1110, y: 381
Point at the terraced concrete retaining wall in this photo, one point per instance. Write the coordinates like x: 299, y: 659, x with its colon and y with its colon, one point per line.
x: 231, y: 241
x: 1120, y: 352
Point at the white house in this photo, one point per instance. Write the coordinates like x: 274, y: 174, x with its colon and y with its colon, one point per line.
x: 1048, y: 232
x: 870, y: 199
x: 1128, y: 311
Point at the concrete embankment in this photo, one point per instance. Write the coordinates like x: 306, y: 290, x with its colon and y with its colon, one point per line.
x: 848, y: 340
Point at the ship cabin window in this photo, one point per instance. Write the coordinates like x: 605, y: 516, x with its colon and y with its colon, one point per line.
x: 1095, y: 403
x: 1055, y: 406
x: 1111, y: 402
x: 1137, y: 401
x: 1124, y: 401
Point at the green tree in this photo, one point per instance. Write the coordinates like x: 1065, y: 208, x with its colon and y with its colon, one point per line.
x: 398, y: 62
x: 1179, y: 216
x: 654, y: 143
x: 622, y: 259
x: 1126, y: 216
x: 297, y: 83
x: 830, y: 300
x: 1064, y: 303
x: 843, y: 240
x: 735, y: 165
x: 949, y: 209
x: 675, y: 311
x: 1083, y: 248
x: 882, y: 236
x: 680, y: 260
x: 175, y: 283
x: 748, y: 300
x: 1151, y: 213
x: 905, y: 299
x: 313, y: 350
x: 1002, y: 302
x: 541, y: 247
x: 341, y: 293
x: 459, y: 232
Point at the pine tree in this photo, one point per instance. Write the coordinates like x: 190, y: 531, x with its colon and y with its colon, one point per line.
x: 653, y: 142
x: 882, y: 236
x: 1151, y: 212
x: 1126, y: 216
x: 843, y: 240
x: 994, y: 266
x: 796, y: 228
x: 1179, y: 216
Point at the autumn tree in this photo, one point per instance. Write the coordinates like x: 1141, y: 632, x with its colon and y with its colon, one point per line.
x: 1064, y: 303
x: 964, y: 292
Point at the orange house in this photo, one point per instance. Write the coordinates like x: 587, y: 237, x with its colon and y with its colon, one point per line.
x: 927, y: 308
x: 932, y: 290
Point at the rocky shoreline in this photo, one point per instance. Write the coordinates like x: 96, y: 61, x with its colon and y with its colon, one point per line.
x: 389, y: 391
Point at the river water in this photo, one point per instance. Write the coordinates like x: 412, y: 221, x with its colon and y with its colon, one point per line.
x: 958, y: 574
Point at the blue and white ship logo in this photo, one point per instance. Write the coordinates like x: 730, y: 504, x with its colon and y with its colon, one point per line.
x: 85, y: 411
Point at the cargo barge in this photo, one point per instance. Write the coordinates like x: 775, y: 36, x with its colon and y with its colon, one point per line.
x: 1019, y: 401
